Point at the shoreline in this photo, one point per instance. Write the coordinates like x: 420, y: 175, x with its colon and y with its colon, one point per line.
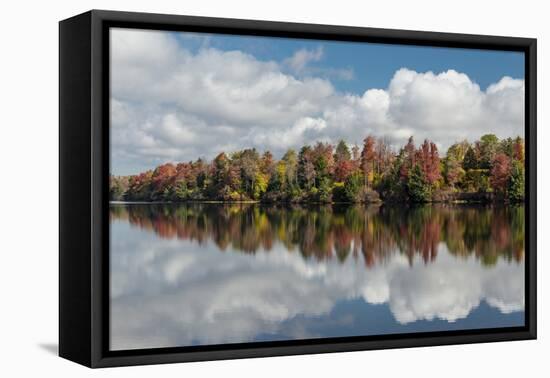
x: 287, y: 203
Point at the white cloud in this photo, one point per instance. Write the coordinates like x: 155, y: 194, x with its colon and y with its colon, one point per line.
x: 173, y: 129
x: 303, y: 57
x: 169, y: 293
x: 300, y: 64
x: 449, y: 106
x: 298, y: 133
x: 190, y: 104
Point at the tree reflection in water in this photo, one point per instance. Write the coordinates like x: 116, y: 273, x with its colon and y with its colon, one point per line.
x: 340, y: 232
x: 205, y: 273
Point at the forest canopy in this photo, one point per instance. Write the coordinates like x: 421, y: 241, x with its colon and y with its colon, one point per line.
x: 488, y: 169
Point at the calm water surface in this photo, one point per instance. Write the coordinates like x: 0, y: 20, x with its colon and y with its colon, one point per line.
x: 196, y: 274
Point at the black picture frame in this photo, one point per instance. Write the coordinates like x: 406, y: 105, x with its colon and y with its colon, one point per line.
x: 84, y: 173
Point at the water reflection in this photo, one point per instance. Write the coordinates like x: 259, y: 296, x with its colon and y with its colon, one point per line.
x: 210, y: 273
x: 326, y: 232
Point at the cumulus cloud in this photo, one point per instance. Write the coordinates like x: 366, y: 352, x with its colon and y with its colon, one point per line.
x: 185, y: 103
x: 170, y: 293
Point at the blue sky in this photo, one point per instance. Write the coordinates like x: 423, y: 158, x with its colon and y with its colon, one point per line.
x: 373, y: 64
x: 180, y: 96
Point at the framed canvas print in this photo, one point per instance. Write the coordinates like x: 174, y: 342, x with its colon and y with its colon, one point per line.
x: 234, y: 188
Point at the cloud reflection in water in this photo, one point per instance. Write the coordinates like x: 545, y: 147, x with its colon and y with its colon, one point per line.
x: 185, y: 287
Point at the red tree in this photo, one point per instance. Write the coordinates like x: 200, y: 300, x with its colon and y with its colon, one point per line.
x: 163, y: 177
x: 427, y: 157
x: 500, y: 172
x: 434, y: 169
x: 343, y: 169
x: 423, y: 157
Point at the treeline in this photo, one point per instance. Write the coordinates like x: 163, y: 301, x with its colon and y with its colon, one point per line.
x: 324, y: 173
x: 324, y: 232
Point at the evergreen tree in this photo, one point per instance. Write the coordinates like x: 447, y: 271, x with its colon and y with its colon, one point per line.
x: 516, y: 182
x: 306, y: 168
x: 488, y: 146
x: 342, y: 152
x: 353, y: 186
x: 322, y: 173
x: 470, y: 160
x: 418, y: 187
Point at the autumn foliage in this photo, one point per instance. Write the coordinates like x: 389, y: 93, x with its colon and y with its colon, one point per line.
x: 325, y: 173
x: 372, y: 233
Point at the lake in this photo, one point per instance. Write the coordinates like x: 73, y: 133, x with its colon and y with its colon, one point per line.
x: 206, y: 273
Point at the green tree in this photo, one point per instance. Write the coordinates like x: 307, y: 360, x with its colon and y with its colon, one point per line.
x: 291, y: 163
x: 118, y: 187
x: 353, y: 187
x: 225, y: 179
x: 506, y: 146
x: 323, y: 162
x: 179, y: 191
x: 306, y: 168
x: 342, y: 152
x: 470, y: 160
x: 248, y: 163
x: 452, y: 170
x: 323, y: 173
x: 516, y: 182
x: 393, y: 184
x: 458, y: 150
x: 277, y: 187
x: 476, y: 180
x: 200, y: 173
x: 260, y: 185
x: 488, y: 146
x: 343, y: 164
x: 325, y: 190
x: 407, y: 157
x: 418, y: 187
